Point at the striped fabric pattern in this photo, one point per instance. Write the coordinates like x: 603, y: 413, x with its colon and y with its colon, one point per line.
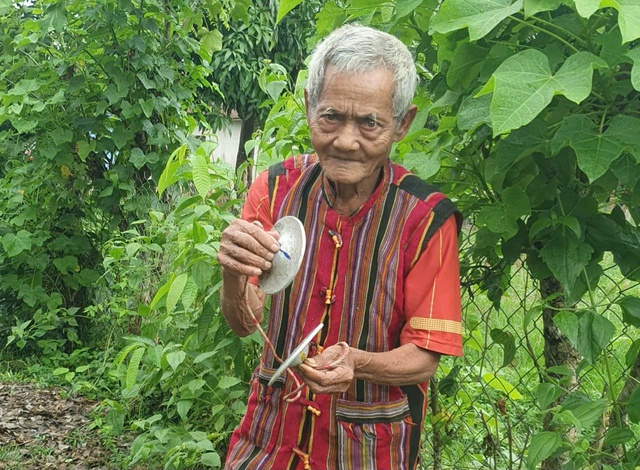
x: 369, y: 426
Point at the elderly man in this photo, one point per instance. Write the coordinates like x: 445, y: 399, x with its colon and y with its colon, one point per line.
x: 380, y: 272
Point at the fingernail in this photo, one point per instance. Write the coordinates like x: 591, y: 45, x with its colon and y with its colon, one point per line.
x: 275, y: 247
x: 267, y: 265
x: 257, y: 272
x: 270, y: 256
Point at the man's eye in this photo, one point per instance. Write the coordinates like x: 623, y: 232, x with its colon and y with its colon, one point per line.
x: 330, y: 117
x: 371, y: 123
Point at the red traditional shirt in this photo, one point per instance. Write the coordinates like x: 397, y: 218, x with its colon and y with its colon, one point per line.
x: 382, y: 277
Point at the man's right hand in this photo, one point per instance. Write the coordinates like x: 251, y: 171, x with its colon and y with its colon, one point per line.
x: 246, y: 249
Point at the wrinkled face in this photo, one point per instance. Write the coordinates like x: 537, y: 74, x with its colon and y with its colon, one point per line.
x: 352, y: 128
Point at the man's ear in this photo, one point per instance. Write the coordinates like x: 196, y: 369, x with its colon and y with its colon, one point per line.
x: 405, y: 123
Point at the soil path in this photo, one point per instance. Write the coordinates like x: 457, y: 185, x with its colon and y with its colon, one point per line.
x: 39, y: 429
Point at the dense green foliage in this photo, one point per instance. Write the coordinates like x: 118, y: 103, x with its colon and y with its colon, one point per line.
x: 110, y: 210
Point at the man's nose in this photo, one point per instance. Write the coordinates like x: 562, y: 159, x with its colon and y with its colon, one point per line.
x: 348, y: 138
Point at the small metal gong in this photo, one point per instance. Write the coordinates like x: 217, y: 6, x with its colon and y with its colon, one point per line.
x: 288, y: 260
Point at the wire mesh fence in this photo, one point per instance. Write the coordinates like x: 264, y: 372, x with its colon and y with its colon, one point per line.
x: 487, y: 405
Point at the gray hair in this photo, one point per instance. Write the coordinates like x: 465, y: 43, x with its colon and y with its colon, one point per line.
x: 356, y: 49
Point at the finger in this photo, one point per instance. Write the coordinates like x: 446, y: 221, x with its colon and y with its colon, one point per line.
x: 246, y: 243
x: 243, y: 267
x: 267, y: 240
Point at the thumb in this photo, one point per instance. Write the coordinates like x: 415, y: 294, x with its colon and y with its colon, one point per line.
x: 311, y: 362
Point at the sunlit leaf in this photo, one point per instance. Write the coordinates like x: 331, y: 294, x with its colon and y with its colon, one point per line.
x: 634, y: 54
x: 134, y: 365
x: 175, y: 291
x: 502, y: 385
x: 228, y: 382
x: 210, y: 459
x: 479, y: 17
x: 533, y: 7
x: 175, y: 358
x: 524, y: 86
x: 285, y: 6
x: 404, y: 7
x: 200, y: 168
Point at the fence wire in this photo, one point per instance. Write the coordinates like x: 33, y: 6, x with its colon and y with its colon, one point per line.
x: 484, y: 406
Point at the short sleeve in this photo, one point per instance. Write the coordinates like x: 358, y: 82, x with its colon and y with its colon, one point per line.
x: 432, y: 303
x: 256, y: 206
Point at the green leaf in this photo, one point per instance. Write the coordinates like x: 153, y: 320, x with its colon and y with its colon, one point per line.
x: 547, y: 393
x: 566, y: 256
x: 542, y: 446
x: 567, y: 323
x: 634, y: 55
x: 6, y: 6
x: 524, y: 86
x: 514, y: 147
x: 630, y: 310
x: 589, y: 412
x: 508, y: 343
x: 162, y: 291
x: 24, y: 126
x: 175, y: 358
x: 85, y: 148
x: 200, y: 169
x: 633, y: 406
x: 205, y: 319
x: 424, y: 164
x: 502, y: 216
x: 183, y: 407
x: 466, y: 63
x: 285, y: 6
x: 594, y: 334
x: 211, y: 459
x: 618, y: 436
x: 25, y: 87
x: 628, y: 18
x: 175, y: 291
x: 404, y: 7
x: 204, y: 356
x: 210, y: 42
x: 586, y: 8
x: 134, y: 365
x: 228, y: 382
x: 137, y: 157
x: 66, y: 264
x: 61, y: 136
x: 207, y: 249
x: 596, y: 151
x: 479, y: 17
x: 533, y: 7
x: 632, y: 353
x: 168, y: 176
x: 502, y: 385
x: 14, y: 244
x: 55, y: 19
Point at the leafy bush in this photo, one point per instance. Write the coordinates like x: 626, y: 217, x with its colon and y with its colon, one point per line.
x: 182, y: 372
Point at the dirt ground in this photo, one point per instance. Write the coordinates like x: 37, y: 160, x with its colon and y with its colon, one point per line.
x: 39, y: 429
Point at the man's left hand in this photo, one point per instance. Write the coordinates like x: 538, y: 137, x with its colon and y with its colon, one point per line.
x: 332, y: 371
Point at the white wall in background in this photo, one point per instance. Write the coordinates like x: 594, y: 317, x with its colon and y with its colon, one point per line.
x: 228, y: 142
